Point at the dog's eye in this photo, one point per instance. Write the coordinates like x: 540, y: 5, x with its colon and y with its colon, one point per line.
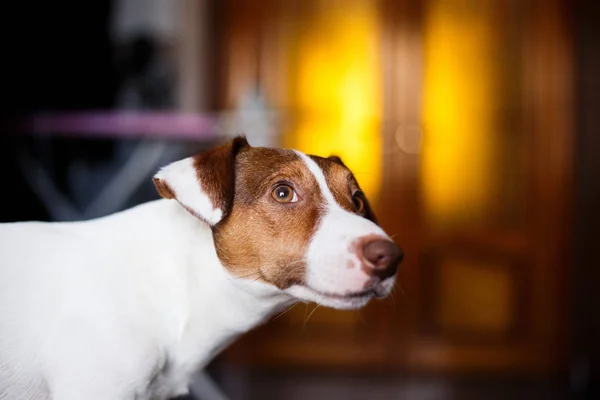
x: 359, y: 203
x: 284, y: 194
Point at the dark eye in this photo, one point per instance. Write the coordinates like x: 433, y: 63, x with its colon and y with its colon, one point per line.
x: 284, y: 194
x: 359, y: 203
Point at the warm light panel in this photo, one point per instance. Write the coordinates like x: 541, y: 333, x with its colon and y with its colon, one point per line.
x: 459, y: 108
x: 336, y: 88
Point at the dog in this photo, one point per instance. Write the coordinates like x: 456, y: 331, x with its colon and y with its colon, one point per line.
x: 131, y: 305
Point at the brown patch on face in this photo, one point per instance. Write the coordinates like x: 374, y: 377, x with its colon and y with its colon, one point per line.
x: 163, y: 188
x: 261, y: 238
x: 216, y: 170
x: 343, y: 185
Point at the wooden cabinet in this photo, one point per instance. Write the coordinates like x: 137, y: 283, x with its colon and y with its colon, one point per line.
x: 476, y: 138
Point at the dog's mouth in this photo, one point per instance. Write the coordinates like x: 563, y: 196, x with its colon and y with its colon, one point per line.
x: 379, y: 290
x: 352, y: 300
x: 372, y: 292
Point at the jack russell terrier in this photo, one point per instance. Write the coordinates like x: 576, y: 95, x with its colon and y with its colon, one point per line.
x: 131, y: 305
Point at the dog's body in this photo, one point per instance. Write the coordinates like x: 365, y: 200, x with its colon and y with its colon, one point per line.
x: 129, y: 306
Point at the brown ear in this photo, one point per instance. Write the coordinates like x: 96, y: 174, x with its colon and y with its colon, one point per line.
x: 337, y: 160
x: 164, y: 190
x: 203, y: 184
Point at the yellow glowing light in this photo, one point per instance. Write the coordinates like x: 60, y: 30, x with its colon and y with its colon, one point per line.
x: 336, y: 89
x: 459, y: 107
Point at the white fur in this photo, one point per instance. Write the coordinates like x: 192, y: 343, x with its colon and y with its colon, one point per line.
x: 129, y: 306
x: 181, y: 177
x: 333, y: 270
x: 123, y: 307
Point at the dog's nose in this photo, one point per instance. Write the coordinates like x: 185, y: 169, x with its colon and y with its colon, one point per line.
x: 384, y: 256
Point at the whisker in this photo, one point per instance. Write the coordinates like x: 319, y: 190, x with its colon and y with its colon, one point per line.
x: 309, y: 315
x: 393, y: 296
x: 294, y: 305
x: 402, y: 292
x: 305, y: 314
x: 393, y: 299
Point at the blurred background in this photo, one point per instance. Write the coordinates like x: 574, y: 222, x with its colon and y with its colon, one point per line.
x: 471, y: 124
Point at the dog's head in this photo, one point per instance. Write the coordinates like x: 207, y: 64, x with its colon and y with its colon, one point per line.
x: 298, y: 222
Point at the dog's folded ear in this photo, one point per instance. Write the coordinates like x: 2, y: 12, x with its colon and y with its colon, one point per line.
x: 336, y: 159
x: 203, y: 184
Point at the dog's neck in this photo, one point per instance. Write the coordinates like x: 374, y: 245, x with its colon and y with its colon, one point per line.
x: 218, y: 307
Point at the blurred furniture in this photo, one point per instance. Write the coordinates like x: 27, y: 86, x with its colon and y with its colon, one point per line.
x: 145, y: 150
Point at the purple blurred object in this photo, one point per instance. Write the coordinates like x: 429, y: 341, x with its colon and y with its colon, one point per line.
x: 121, y: 124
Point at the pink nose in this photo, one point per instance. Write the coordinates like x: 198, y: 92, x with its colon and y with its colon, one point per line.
x: 383, y: 256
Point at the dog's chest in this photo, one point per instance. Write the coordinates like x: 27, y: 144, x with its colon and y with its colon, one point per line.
x: 174, y: 371
x: 166, y: 384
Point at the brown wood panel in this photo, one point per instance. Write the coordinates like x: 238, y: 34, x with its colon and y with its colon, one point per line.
x: 475, y: 295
